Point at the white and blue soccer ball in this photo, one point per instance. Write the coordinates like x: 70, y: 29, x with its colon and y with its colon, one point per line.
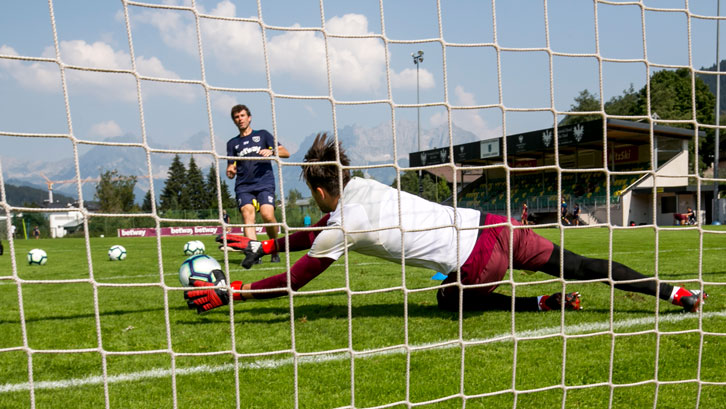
x: 37, y: 257
x: 198, y: 267
x: 194, y: 247
x: 116, y: 253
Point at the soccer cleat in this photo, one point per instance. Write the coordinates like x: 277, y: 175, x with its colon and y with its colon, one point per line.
x: 690, y: 300
x: 275, y: 258
x: 553, y: 302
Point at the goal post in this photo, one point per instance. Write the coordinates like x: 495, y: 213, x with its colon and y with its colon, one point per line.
x: 497, y: 102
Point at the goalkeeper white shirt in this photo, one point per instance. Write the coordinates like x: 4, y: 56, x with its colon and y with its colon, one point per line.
x: 369, y: 220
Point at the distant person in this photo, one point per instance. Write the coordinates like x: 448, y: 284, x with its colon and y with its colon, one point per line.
x: 525, y: 214
x: 225, y: 218
x: 366, y: 216
x: 255, y: 184
x: 12, y: 231
x: 691, y: 216
x: 563, y: 210
x: 307, y: 221
x: 36, y: 232
x: 680, y: 218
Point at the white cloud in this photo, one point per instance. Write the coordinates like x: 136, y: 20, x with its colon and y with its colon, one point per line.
x: 223, y: 102
x: 406, y: 79
x: 106, y: 129
x: 45, y: 77
x: 356, y: 64
x: 38, y: 76
x: 467, y: 119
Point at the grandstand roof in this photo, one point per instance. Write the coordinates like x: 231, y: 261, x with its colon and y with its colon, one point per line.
x: 535, y: 144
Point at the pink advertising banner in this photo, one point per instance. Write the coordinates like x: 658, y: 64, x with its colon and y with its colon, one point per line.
x: 181, y: 231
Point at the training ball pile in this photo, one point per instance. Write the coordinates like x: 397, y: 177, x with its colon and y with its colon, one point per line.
x: 37, y: 257
x: 116, y: 253
x: 194, y: 247
x: 198, y: 267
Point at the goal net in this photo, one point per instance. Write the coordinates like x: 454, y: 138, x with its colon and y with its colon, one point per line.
x: 607, y: 106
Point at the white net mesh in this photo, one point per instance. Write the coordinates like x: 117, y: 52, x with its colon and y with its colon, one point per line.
x: 518, y: 77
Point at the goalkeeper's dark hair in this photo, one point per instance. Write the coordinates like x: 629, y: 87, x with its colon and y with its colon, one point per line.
x: 325, y: 176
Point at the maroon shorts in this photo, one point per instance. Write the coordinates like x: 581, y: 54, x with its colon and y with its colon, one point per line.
x: 489, y: 260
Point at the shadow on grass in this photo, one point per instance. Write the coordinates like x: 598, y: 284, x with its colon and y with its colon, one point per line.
x: 93, y: 316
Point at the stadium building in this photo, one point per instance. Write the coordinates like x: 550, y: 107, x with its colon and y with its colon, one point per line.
x: 623, y: 166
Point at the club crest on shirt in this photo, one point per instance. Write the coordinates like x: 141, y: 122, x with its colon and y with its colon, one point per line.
x: 255, y: 139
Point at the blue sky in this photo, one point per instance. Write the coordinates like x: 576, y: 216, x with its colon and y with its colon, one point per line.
x: 93, y: 34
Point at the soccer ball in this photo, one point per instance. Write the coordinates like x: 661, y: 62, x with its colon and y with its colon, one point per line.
x: 116, y: 253
x: 198, y: 267
x: 194, y: 247
x: 37, y: 257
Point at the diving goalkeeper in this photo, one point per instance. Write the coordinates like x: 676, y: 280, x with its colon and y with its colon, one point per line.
x: 364, y: 217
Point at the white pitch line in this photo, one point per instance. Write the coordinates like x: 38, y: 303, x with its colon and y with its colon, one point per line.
x: 277, y: 363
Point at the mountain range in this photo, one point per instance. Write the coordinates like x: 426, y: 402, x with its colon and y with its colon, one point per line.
x: 365, y: 146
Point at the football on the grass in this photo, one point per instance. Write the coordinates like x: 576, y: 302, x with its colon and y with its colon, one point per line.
x: 198, y: 267
x: 194, y: 247
x: 37, y: 257
x: 116, y: 253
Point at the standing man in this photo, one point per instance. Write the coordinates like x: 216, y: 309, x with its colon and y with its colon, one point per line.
x: 380, y: 221
x: 36, y: 232
x: 525, y: 214
x: 563, y: 210
x: 255, y: 184
x: 12, y: 231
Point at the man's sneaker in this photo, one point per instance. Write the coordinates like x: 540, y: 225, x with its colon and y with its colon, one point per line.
x: 553, y: 302
x: 275, y: 258
x: 690, y: 300
x: 258, y: 261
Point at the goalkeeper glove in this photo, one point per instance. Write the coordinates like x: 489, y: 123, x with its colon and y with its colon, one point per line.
x: 554, y: 301
x: 256, y: 249
x: 205, y: 300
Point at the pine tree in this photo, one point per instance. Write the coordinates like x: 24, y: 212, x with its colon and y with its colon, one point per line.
x: 228, y: 201
x: 173, y: 195
x: 195, y: 187
x: 146, y: 206
x: 211, y: 188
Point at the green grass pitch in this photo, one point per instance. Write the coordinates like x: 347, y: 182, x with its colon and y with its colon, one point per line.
x: 131, y: 331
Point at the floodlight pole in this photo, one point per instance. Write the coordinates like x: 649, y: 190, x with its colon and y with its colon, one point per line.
x: 716, y: 212
x: 418, y: 59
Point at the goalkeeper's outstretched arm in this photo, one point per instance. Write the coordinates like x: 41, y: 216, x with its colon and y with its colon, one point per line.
x: 301, y: 273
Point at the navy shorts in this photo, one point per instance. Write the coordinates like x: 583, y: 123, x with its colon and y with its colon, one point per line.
x: 255, y: 198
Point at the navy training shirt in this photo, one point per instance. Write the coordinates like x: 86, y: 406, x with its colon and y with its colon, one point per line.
x: 252, y: 175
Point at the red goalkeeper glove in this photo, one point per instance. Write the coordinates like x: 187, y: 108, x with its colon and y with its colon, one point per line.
x: 256, y: 249
x: 205, y: 300
x: 554, y: 301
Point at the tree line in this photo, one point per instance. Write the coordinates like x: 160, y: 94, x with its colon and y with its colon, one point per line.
x: 185, y: 189
x: 670, y: 97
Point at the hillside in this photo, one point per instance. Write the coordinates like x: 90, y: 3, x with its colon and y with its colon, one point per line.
x: 26, y: 195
